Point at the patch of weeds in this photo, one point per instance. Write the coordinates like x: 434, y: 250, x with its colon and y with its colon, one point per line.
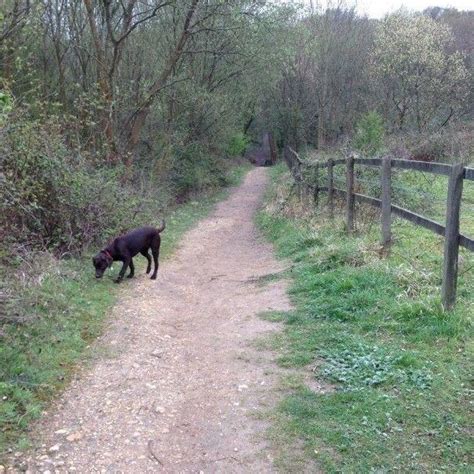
x: 370, y: 366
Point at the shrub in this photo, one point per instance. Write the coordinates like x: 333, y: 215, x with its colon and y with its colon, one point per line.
x: 6, y: 102
x: 51, y: 197
x: 237, y: 145
x: 195, y: 169
x: 369, y: 136
x: 451, y: 144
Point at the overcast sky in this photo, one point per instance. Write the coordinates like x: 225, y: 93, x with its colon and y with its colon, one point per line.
x: 378, y: 9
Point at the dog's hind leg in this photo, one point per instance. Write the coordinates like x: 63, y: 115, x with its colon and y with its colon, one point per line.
x: 155, y: 250
x: 132, y: 269
x: 148, y: 258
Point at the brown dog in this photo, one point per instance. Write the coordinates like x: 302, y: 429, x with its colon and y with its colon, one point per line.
x: 125, y: 247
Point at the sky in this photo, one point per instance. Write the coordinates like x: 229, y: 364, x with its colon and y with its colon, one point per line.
x: 380, y: 8
x: 377, y: 9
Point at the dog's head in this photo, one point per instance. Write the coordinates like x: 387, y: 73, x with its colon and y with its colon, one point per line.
x: 101, y: 262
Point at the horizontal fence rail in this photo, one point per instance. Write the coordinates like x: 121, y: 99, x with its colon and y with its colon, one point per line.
x: 307, y: 176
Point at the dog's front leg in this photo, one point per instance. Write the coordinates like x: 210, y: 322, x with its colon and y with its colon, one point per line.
x: 125, y: 265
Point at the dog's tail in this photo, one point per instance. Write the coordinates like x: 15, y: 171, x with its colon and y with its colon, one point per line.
x: 162, y: 226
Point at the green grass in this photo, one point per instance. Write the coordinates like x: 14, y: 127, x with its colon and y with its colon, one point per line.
x: 61, y: 316
x: 374, y: 330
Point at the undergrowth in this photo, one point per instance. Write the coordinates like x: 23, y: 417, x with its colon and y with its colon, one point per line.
x: 371, y: 328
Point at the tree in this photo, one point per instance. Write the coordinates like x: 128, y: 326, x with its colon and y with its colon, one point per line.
x: 423, y: 78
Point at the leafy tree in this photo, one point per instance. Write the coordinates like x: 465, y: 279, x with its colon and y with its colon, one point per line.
x: 423, y: 78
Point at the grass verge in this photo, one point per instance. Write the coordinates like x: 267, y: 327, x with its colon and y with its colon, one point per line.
x: 63, y: 310
x: 372, y: 330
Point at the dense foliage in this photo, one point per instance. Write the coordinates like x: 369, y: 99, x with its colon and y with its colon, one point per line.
x: 111, y: 112
x: 143, y: 102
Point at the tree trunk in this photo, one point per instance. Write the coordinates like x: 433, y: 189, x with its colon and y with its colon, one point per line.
x: 138, y: 118
x: 105, y: 83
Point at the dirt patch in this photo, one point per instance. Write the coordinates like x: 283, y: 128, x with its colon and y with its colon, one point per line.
x: 185, y: 385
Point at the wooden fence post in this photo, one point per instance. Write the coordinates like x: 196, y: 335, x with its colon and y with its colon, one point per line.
x: 350, y: 200
x: 316, y: 185
x: 386, y: 182
x: 331, y: 188
x: 451, y: 241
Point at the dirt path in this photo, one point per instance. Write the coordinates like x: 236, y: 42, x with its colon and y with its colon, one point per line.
x: 184, y: 385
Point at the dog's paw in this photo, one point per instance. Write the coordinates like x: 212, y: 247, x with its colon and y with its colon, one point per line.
x: 118, y: 280
x: 129, y: 276
x: 153, y: 277
x: 148, y: 270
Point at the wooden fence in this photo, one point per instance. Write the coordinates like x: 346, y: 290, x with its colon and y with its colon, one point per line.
x: 450, y: 231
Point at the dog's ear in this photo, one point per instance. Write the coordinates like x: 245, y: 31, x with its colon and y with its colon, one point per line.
x: 94, y: 261
x: 109, y: 260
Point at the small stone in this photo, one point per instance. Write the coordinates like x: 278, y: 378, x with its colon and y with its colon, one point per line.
x: 74, y: 436
x: 242, y: 387
x: 159, y: 410
x: 62, y: 431
x: 54, y: 448
x: 2, y: 469
x: 47, y: 471
x: 150, y: 385
x: 235, y: 449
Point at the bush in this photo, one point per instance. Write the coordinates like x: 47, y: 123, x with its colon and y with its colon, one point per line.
x: 51, y: 198
x: 369, y: 136
x: 195, y: 169
x: 237, y: 145
x: 451, y: 144
x: 6, y: 106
